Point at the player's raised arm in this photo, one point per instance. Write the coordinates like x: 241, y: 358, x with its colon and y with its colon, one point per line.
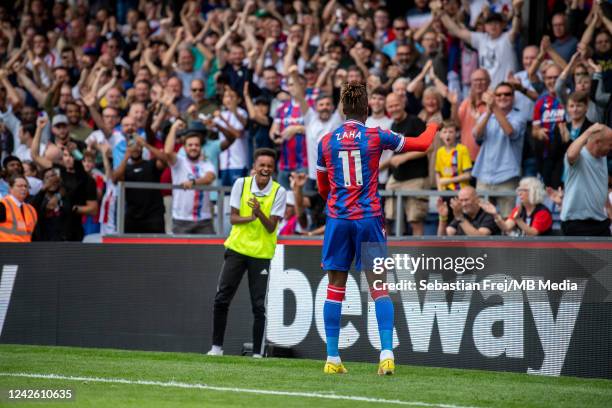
x: 400, y: 144
x: 422, y: 142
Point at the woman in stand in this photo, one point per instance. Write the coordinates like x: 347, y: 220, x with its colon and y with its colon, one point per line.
x: 530, y: 217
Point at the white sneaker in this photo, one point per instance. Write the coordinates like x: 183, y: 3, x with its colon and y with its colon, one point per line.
x: 215, y: 351
x: 257, y: 356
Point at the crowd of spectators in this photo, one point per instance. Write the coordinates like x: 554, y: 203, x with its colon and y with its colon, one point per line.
x: 97, y: 92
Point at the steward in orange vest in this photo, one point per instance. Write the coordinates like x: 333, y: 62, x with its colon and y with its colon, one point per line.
x: 17, y: 218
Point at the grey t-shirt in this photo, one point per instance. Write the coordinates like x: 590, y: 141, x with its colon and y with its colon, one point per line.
x: 586, y: 188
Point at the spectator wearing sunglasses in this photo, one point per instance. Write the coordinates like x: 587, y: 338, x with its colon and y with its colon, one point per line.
x: 499, y: 131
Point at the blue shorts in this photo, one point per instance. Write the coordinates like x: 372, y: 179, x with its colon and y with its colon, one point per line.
x: 348, y: 239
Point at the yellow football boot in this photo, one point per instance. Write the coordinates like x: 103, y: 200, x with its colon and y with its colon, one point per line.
x: 386, y: 367
x: 332, y: 368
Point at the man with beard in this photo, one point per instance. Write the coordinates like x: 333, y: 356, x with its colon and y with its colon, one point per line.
x: 61, y: 140
x: 144, y: 208
x: 317, y: 123
x: 78, y: 130
x: 258, y: 204
x: 191, y: 210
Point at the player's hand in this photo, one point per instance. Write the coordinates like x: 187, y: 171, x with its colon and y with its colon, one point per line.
x: 254, y: 204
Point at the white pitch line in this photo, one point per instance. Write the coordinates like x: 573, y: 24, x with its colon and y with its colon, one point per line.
x: 174, y: 384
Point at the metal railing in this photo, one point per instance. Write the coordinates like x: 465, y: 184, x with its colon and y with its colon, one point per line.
x: 220, y: 205
x: 140, y: 185
x: 400, y: 195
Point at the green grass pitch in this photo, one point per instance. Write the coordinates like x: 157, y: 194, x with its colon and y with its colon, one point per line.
x: 194, y: 380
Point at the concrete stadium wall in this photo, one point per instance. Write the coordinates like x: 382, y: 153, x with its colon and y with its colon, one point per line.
x: 160, y: 297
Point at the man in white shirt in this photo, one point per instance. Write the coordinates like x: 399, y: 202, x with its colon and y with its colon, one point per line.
x: 378, y: 118
x: 191, y: 211
x: 495, y: 47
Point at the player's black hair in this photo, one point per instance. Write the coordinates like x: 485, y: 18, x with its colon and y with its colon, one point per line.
x: 264, y: 151
x: 354, y: 98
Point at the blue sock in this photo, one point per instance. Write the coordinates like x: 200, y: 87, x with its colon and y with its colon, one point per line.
x: 385, y: 317
x: 331, y: 316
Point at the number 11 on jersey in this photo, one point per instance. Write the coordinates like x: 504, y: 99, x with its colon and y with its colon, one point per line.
x: 345, y: 155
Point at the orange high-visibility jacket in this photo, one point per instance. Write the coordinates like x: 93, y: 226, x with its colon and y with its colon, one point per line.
x: 17, y: 227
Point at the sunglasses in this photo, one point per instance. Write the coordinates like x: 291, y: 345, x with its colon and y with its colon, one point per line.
x: 197, y: 89
x: 504, y: 94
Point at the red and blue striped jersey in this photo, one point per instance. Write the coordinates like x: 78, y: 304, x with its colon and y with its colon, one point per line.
x: 547, y: 112
x: 350, y: 156
x: 293, y: 153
